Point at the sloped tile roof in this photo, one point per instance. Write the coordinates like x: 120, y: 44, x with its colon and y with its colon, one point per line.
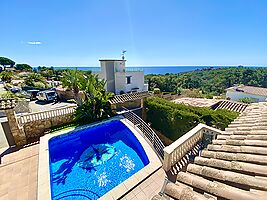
x: 213, y: 103
x: 234, y: 166
x: 128, y: 97
x: 249, y: 90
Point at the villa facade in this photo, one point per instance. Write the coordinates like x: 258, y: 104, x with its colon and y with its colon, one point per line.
x: 119, y: 80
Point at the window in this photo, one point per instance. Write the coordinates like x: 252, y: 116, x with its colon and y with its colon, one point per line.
x: 128, y: 79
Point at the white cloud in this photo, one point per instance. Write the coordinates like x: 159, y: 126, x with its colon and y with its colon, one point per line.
x: 34, y: 42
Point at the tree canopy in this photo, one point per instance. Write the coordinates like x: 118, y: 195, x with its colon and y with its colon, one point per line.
x: 6, y: 61
x: 213, y: 81
x: 94, y: 105
x: 36, y: 80
x: 23, y: 67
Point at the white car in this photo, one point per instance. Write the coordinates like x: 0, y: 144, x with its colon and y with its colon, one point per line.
x: 47, y: 95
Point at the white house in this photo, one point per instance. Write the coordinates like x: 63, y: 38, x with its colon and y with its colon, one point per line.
x: 258, y: 94
x: 120, y: 80
x: 7, y: 68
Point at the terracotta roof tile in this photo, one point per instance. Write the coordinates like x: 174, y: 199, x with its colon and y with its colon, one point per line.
x: 128, y: 97
x: 233, y: 166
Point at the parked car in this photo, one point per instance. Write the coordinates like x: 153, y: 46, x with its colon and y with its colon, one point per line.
x: 32, y: 94
x: 47, y: 95
x: 15, y: 90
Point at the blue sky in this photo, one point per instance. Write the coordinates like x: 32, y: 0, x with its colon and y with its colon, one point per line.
x: 154, y: 32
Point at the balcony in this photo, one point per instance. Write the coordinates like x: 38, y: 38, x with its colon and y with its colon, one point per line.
x: 134, y: 69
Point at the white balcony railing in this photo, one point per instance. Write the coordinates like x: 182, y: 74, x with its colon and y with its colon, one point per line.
x: 43, y: 115
x: 176, y: 155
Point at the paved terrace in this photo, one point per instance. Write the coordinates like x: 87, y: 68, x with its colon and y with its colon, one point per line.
x: 19, y: 172
x: 213, y: 103
x: 198, y: 102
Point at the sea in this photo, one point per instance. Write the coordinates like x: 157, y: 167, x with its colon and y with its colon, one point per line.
x: 154, y: 69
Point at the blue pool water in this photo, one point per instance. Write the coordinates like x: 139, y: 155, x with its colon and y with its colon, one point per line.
x: 88, y: 163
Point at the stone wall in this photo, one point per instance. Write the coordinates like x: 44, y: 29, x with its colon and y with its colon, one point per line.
x: 37, y: 123
x: 17, y: 132
x: 38, y: 128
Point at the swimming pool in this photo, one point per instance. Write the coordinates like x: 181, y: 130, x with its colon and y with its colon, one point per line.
x: 88, y: 163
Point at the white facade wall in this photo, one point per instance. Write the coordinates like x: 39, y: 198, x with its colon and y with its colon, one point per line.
x: 119, y: 66
x: 120, y: 82
x: 235, y: 96
x: 114, y: 73
x: 137, y: 81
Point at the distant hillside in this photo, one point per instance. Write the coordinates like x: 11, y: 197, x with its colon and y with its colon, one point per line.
x: 212, y: 81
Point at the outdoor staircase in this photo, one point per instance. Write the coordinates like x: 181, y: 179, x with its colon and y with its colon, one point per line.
x: 230, y: 105
x: 233, y: 166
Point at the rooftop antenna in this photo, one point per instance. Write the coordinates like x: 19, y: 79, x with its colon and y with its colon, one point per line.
x: 123, y: 54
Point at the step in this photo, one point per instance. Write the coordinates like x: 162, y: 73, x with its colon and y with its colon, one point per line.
x: 242, y: 121
x: 232, y: 165
x: 259, y: 192
x: 242, y: 137
x: 256, y: 123
x: 181, y: 192
x: 252, y: 132
x: 227, y: 133
x: 252, y: 158
x: 250, y: 128
x: 236, y: 125
x: 159, y: 197
x: 238, y: 149
x: 225, y: 175
x: 216, y: 188
x: 260, y: 143
x: 230, y: 129
x: 251, y: 120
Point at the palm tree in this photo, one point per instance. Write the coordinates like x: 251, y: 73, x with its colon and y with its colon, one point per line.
x: 73, y: 80
x: 34, y: 77
x: 36, y: 80
x: 95, y: 105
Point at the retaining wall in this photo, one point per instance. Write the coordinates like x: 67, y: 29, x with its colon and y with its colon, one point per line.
x: 36, y: 124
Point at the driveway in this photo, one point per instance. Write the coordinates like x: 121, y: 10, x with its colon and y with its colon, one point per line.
x: 36, y: 106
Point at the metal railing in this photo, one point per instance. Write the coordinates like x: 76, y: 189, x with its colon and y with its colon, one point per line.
x: 134, y: 69
x: 147, y: 132
x: 43, y: 115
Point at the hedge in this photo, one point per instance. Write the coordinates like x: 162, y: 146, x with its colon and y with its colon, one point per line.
x: 174, y: 120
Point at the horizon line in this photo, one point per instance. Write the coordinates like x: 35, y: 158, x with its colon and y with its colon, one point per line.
x: 166, y: 66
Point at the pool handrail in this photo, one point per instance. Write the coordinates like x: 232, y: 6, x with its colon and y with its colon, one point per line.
x: 146, y: 131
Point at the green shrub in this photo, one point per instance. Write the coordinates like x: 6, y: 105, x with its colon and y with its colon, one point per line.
x: 7, y: 86
x: 173, y: 120
x: 40, y: 85
x: 208, y: 96
x: 6, y: 76
x: 247, y: 100
x: 179, y: 91
x: 156, y: 91
x: 10, y: 95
